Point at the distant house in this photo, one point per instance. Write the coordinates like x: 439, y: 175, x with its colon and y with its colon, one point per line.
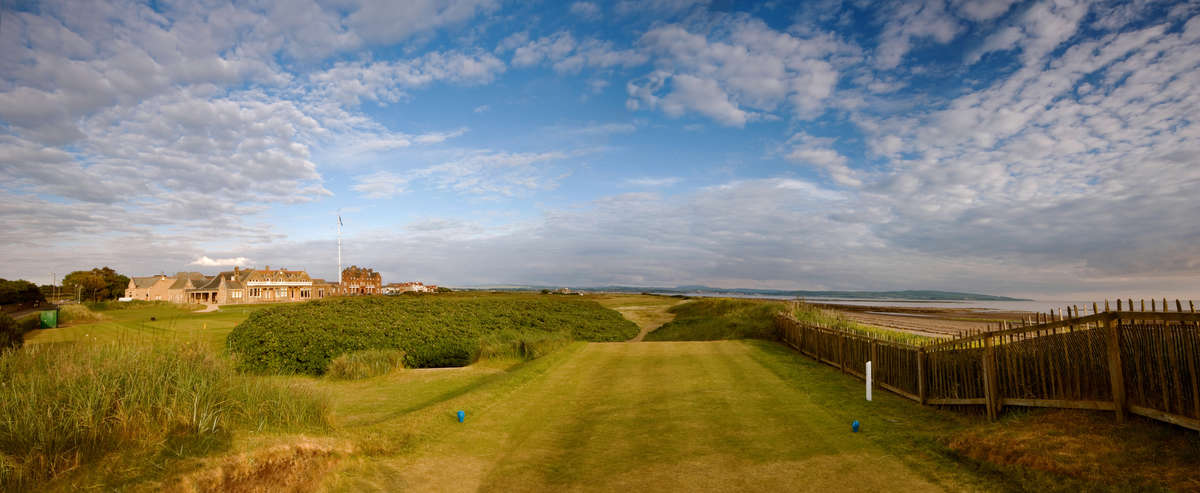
x: 162, y: 287
x: 408, y: 287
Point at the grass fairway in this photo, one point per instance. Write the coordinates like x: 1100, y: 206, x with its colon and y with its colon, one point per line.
x: 728, y: 415
x: 136, y: 324
x: 647, y: 311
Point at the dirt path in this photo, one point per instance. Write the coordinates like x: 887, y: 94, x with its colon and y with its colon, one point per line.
x: 648, y: 318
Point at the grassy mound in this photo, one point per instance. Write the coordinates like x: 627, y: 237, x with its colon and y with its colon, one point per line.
x: 66, y: 405
x: 432, y: 331
x: 720, y: 318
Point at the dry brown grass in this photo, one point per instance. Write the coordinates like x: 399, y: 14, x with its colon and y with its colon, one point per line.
x: 1090, y: 447
x: 296, y: 466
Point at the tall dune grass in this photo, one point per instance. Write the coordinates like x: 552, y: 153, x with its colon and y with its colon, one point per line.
x: 78, y: 314
x: 365, y: 364
x: 66, y: 405
x: 520, y: 345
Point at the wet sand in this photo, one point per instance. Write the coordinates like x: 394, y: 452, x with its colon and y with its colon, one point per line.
x: 932, y: 322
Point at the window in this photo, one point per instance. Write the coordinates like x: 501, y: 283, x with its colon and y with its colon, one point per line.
x: 236, y: 294
x: 282, y: 292
x: 254, y: 292
x: 304, y: 293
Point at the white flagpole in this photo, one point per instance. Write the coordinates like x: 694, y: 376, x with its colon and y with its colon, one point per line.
x: 339, y: 252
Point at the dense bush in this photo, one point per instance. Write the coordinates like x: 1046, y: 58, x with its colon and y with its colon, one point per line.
x: 720, y: 318
x: 365, y: 364
x: 433, y: 331
x: 63, y: 405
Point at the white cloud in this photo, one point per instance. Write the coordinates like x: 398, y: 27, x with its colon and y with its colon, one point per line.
x: 738, y: 71
x: 566, y: 55
x: 1034, y: 170
x: 915, y: 20
x: 478, y: 172
x: 348, y: 83
x: 389, y: 22
x: 221, y: 262
x: 1043, y: 27
x: 654, y: 182
x: 819, y: 153
x: 483, y: 108
x: 627, y: 7
x: 586, y: 10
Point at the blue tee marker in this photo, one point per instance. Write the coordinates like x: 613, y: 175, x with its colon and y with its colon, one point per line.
x: 853, y: 426
x: 462, y: 415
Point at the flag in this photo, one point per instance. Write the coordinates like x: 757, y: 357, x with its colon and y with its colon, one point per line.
x: 339, y: 219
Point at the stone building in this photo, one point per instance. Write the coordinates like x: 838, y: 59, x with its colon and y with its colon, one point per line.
x: 361, y: 280
x: 258, y: 286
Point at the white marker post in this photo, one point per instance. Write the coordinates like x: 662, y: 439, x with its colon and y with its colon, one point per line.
x: 868, y: 381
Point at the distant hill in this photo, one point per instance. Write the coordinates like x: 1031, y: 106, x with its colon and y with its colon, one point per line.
x: 920, y: 295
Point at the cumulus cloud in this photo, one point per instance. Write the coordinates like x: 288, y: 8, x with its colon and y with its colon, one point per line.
x: 907, y: 22
x: 738, y: 70
x: 1078, y: 158
x: 205, y: 261
x: 566, y: 55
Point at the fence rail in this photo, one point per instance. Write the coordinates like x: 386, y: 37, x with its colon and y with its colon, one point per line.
x: 1142, y: 363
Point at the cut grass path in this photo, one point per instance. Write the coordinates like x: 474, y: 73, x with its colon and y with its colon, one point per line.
x: 726, y: 415
x: 648, y: 312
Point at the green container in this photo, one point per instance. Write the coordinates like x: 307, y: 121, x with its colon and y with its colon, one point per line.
x: 49, y: 319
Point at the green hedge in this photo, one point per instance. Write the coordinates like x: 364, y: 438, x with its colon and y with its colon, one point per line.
x: 433, y: 331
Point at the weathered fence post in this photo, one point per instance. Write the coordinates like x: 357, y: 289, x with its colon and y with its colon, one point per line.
x: 842, y: 352
x: 921, y: 387
x: 990, y: 398
x: 1116, y: 375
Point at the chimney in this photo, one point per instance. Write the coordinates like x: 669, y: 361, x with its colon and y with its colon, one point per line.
x: 267, y: 268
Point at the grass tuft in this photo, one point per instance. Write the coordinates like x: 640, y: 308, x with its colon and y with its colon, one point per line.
x: 66, y: 405
x: 365, y: 364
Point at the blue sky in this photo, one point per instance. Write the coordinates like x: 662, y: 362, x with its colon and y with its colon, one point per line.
x: 1044, y: 148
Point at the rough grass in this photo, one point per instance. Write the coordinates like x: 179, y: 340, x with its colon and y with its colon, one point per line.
x: 1072, y: 450
x: 78, y: 314
x: 720, y: 318
x: 365, y: 364
x: 64, y: 406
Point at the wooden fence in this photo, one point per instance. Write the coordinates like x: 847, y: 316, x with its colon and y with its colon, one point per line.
x: 1142, y: 363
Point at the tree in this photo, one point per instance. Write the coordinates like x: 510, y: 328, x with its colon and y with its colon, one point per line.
x: 19, y: 291
x: 96, y: 284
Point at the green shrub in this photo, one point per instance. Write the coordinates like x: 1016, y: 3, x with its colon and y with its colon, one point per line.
x: 433, y: 331
x: 720, y: 318
x: 63, y: 405
x: 365, y: 364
